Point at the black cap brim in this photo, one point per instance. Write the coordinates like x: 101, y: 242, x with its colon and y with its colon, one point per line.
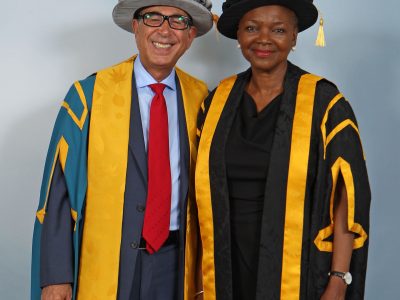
x: 306, y: 12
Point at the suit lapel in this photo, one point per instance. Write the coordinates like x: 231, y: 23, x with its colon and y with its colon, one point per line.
x: 184, y: 151
x: 136, y: 139
x: 184, y: 182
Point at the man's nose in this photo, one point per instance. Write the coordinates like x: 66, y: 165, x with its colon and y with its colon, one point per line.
x: 165, y: 28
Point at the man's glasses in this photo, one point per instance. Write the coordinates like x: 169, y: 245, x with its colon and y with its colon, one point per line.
x: 154, y: 19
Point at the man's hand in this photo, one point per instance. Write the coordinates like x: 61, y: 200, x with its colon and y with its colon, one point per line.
x: 57, y: 292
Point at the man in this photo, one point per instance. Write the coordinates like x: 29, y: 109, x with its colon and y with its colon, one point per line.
x: 112, y: 220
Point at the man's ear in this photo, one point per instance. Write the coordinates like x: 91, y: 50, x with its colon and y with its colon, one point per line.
x: 135, y: 25
x: 192, y: 33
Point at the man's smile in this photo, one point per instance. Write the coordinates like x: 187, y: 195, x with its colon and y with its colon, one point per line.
x: 162, y: 45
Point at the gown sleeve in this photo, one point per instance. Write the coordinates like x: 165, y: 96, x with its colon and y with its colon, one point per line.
x: 343, y: 155
x: 56, y: 250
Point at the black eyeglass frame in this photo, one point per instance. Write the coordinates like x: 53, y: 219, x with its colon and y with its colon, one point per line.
x: 188, y: 20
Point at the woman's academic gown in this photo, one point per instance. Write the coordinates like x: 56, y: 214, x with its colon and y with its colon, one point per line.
x: 316, y: 139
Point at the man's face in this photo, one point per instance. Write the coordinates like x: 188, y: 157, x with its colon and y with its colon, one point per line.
x: 161, y: 47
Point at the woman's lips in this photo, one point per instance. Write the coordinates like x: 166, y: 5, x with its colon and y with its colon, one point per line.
x: 262, y: 53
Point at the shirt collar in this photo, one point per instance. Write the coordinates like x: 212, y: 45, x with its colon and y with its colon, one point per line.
x: 144, y: 78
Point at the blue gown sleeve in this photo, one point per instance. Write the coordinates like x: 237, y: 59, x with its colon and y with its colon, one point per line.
x: 56, y: 250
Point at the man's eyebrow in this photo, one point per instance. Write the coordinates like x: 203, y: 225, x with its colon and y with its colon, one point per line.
x: 183, y: 14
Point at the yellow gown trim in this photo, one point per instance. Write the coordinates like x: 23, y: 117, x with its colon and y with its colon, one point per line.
x: 327, y: 139
x: 193, y: 94
x: 61, y: 153
x: 107, y: 165
x: 74, y: 215
x: 343, y: 167
x: 203, y: 190
x: 325, y: 118
x: 296, y: 187
x: 78, y: 121
x: 339, y: 128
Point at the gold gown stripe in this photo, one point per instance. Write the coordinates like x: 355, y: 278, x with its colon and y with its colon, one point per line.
x: 296, y: 187
x: 61, y: 153
x: 343, y: 167
x: 203, y: 188
x: 74, y: 215
x: 325, y: 118
x: 193, y: 94
x: 78, y: 121
x: 107, y: 165
x: 361, y: 236
x: 338, y: 129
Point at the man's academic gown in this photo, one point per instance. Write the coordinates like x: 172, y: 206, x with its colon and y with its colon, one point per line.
x: 316, y: 139
x: 98, y: 141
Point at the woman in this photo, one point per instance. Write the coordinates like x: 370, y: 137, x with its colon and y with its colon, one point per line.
x: 281, y: 183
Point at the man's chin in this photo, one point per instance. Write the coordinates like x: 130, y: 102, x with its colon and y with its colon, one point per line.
x: 163, y: 61
x: 163, y: 64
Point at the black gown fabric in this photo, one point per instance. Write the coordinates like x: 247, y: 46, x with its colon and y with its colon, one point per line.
x: 332, y: 147
x: 247, y: 160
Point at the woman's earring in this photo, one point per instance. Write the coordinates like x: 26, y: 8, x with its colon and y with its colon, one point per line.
x: 294, y: 48
x: 238, y: 46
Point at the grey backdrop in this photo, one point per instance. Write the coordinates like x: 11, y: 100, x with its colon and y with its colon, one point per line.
x: 46, y: 45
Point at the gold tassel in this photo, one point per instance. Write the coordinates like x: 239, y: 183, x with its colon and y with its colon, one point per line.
x: 320, y: 41
x: 215, y: 21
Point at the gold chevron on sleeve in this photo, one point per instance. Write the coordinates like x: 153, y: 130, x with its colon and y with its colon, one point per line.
x: 343, y: 167
x: 61, y: 153
x: 339, y: 128
x: 74, y: 215
x: 327, y: 139
x: 325, y: 119
x: 78, y: 121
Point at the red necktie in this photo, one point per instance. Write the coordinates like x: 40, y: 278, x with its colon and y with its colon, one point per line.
x: 158, y: 205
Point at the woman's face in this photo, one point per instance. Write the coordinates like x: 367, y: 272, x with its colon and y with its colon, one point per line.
x: 266, y: 36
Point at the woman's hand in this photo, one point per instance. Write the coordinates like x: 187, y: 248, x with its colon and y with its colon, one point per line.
x: 336, y: 289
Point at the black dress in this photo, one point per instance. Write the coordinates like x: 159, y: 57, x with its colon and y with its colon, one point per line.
x: 247, y: 160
